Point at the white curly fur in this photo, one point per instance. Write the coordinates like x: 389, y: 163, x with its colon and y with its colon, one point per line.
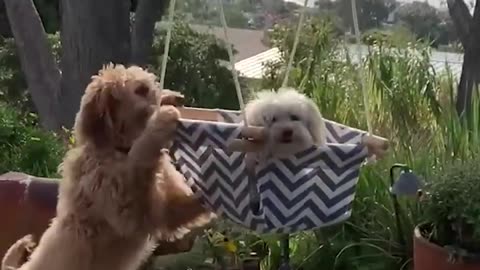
x: 287, y: 111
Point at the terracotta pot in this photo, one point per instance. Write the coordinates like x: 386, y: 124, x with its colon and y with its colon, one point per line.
x: 28, y: 203
x: 429, y: 256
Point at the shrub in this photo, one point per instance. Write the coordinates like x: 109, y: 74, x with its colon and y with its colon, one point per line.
x: 452, y: 208
x: 13, y: 87
x: 197, y: 67
x: 25, y: 147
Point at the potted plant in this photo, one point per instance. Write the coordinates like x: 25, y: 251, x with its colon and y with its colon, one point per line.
x: 449, y: 237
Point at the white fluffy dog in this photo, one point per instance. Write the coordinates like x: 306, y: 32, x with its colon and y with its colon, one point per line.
x: 293, y: 120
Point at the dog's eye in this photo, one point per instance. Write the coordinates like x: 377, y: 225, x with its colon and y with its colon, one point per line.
x: 142, y: 90
x: 274, y: 119
x: 294, y: 117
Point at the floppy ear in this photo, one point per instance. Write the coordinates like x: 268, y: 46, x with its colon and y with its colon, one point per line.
x: 316, y: 124
x: 98, y: 115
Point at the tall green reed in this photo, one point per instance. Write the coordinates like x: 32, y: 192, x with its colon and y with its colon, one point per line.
x: 412, y: 106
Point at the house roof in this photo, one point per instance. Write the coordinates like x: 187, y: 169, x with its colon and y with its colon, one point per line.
x: 246, y: 42
x: 254, y: 67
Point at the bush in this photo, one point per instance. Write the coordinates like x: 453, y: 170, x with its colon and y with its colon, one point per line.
x: 452, y: 208
x: 198, y: 66
x: 13, y: 87
x: 25, y: 147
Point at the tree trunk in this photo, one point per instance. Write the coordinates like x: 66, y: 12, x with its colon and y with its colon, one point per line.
x: 461, y: 18
x: 93, y: 33
x: 469, y: 32
x: 36, y: 58
x: 148, y: 12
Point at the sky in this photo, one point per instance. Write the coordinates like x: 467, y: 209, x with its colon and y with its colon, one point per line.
x: 440, y: 4
x: 435, y: 3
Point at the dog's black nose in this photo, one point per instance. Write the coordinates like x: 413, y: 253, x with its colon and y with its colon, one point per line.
x: 287, y: 133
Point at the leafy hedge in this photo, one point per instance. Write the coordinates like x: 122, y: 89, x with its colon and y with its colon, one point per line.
x: 25, y: 147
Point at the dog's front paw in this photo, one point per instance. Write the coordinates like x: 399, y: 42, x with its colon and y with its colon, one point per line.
x: 169, y: 113
x: 166, y: 117
x: 18, y: 253
x: 169, y: 97
x: 27, y: 243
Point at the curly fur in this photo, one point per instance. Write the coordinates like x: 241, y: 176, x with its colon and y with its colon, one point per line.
x: 119, y: 191
x: 293, y: 120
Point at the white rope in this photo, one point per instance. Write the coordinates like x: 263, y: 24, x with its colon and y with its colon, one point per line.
x: 360, y: 68
x: 166, y: 48
x: 295, y: 44
x: 232, y: 62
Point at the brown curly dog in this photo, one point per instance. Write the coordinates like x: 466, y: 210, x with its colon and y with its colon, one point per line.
x: 119, y: 189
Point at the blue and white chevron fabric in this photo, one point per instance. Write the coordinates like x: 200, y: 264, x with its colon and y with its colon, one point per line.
x: 314, y: 188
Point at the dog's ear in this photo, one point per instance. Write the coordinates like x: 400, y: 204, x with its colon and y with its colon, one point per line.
x: 98, y: 114
x: 316, y: 124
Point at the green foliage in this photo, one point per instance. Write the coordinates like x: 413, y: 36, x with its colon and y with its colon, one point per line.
x: 13, y: 87
x: 410, y: 104
x: 371, y: 13
x: 198, y: 67
x: 25, y: 147
x: 49, y: 12
x: 426, y: 22
x: 392, y: 95
x: 450, y: 208
x: 207, y: 12
x: 317, y: 42
x: 396, y: 36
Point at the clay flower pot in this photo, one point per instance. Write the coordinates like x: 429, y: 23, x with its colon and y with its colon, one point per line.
x: 28, y: 203
x: 430, y: 256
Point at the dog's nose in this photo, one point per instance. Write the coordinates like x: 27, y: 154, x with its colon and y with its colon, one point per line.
x: 287, y: 133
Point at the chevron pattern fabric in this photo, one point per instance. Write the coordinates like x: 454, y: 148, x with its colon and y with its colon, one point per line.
x: 312, y: 189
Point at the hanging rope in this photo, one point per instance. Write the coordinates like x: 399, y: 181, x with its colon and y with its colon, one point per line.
x: 295, y: 44
x: 166, y: 48
x: 250, y: 159
x: 171, y: 13
x: 232, y: 62
x: 361, y: 74
x: 289, y: 64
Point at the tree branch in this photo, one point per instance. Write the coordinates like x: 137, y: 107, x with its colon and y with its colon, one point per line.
x: 148, y: 12
x: 461, y: 18
x: 36, y: 58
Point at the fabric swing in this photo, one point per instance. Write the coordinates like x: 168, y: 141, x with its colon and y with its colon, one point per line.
x: 312, y: 189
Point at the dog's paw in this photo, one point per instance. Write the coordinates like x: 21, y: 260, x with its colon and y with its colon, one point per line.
x: 169, y: 113
x: 18, y: 253
x: 26, y: 243
x: 169, y: 97
x: 166, y: 117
